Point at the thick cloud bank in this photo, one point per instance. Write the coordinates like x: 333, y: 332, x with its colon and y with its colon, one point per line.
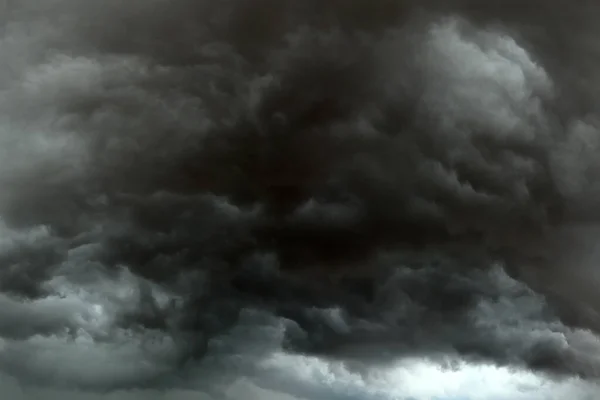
x: 200, y: 195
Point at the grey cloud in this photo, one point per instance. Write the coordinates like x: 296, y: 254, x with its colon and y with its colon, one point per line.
x: 363, y: 180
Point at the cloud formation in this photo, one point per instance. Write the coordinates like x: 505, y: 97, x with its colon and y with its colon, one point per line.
x: 188, y: 188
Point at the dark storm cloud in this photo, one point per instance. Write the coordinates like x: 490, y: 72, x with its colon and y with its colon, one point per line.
x: 352, y: 175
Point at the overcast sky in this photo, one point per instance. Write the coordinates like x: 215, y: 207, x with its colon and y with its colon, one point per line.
x: 273, y: 199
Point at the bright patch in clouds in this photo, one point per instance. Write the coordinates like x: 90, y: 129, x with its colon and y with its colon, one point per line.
x: 416, y: 379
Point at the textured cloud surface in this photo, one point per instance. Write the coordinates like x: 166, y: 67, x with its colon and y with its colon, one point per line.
x: 299, y: 200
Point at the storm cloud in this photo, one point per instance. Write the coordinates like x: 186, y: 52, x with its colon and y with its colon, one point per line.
x: 193, y: 192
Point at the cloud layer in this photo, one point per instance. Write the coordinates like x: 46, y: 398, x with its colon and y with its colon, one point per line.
x: 189, y: 189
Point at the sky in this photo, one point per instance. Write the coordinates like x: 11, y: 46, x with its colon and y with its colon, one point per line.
x: 272, y: 199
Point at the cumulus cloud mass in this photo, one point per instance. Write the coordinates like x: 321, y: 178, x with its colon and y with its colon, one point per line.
x: 318, y: 199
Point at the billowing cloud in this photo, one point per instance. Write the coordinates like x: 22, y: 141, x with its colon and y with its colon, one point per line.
x: 197, y: 197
